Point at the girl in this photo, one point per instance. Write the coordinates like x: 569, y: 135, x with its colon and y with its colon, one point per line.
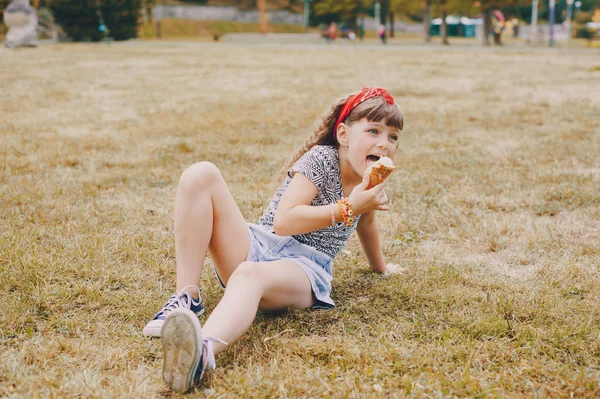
x: 286, y: 260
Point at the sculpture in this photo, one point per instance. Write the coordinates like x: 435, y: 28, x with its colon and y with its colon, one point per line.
x: 22, y: 21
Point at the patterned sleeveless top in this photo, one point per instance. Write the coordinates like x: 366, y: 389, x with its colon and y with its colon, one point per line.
x: 320, y: 165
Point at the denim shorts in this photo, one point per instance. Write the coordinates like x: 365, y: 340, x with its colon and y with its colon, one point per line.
x: 266, y: 246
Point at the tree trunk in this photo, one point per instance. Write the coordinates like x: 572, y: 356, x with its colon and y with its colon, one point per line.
x: 262, y: 8
x: 149, y: 12
x: 444, y: 27
x: 487, y: 25
x: 391, y: 24
x: 385, y: 8
x: 427, y: 20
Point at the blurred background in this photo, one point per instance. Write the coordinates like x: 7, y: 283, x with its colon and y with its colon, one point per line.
x: 485, y: 21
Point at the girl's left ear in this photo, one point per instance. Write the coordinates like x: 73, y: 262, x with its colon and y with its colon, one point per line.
x: 342, y: 134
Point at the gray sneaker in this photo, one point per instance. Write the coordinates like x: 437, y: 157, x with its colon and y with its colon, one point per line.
x: 186, y: 354
x: 180, y: 300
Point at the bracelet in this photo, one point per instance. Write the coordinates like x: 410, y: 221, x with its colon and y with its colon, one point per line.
x: 346, y: 211
x: 332, y: 214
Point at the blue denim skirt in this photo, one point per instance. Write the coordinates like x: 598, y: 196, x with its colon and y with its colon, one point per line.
x: 266, y: 246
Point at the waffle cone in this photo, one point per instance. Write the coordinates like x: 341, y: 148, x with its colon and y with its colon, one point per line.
x: 378, y: 174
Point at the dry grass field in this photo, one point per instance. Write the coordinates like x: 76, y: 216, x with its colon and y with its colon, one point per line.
x: 495, y: 213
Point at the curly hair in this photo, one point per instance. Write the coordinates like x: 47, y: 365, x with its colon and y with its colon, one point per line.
x: 374, y: 109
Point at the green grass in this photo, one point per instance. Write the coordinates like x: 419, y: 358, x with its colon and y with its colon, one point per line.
x: 495, y: 213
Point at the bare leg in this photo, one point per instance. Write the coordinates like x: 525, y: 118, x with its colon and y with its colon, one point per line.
x: 207, y: 217
x: 264, y: 285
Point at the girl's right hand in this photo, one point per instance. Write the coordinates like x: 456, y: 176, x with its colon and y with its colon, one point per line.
x: 362, y: 200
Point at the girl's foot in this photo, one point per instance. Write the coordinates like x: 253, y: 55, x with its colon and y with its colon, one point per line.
x: 180, y: 300
x: 186, y: 354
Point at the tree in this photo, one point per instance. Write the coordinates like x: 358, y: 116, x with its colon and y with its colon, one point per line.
x: 444, y: 27
x: 345, y: 10
x: 147, y: 8
x: 384, y: 11
x: 81, y: 19
x: 3, y: 5
x: 427, y: 21
x: 121, y: 16
x: 464, y: 7
x: 342, y: 10
x: 417, y: 10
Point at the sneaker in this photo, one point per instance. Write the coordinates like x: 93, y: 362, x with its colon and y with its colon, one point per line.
x: 180, y: 300
x: 186, y: 355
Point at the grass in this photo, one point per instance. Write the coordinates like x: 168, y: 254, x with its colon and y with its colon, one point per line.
x: 495, y: 212
x: 183, y: 28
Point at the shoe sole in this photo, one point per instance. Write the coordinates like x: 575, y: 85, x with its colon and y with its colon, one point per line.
x: 181, y: 337
x: 154, y: 331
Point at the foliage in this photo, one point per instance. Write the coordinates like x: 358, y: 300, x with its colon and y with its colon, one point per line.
x: 121, y: 17
x: 410, y: 8
x: 347, y: 11
x: 81, y: 19
x: 496, y: 4
x: 77, y: 18
x: 3, y: 4
x: 337, y: 10
x: 463, y: 7
x: 292, y: 5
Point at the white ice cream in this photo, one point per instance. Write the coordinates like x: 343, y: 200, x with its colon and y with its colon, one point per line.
x: 385, y: 161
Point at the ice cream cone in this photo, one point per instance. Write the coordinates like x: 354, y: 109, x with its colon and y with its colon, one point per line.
x: 378, y: 172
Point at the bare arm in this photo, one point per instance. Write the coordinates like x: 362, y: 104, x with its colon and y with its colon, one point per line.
x: 368, y: 233
x: 295, y: 215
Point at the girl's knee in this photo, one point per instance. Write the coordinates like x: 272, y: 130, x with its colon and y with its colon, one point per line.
x: 199, y: 175
x: 247, y: 271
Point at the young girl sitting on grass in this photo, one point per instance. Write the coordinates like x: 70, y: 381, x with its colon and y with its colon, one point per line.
x: 284, y: 261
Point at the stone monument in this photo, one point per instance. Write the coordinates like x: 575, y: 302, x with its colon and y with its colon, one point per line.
x: 22, y: 21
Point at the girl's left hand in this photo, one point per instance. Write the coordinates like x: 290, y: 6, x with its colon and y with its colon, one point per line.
x: 392, y: 268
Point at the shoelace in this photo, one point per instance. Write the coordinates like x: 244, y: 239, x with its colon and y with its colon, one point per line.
x: 179, y: 300
x: 210, y: 354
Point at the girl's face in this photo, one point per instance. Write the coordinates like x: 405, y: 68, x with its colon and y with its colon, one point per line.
x: 367, y: 142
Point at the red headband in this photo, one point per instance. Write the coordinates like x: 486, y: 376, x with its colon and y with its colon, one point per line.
x: 366, y: 93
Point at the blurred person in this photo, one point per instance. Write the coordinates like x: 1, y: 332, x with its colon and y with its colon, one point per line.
x: 332, y: 31
x: 515, y: 27
x: 381, y: 33
x: 361, y: 30
x: 285, y: 261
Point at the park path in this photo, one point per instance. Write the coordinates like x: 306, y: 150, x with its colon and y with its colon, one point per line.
x: 314, y: 41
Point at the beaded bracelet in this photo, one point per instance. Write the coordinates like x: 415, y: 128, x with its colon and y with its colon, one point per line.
x: 346, y: 211
x: 332, y: 214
